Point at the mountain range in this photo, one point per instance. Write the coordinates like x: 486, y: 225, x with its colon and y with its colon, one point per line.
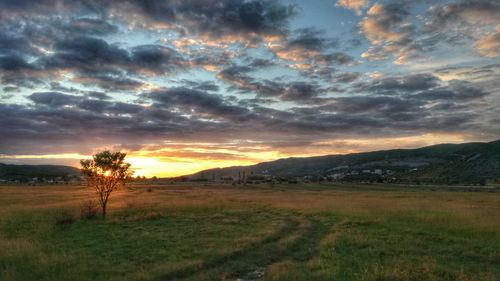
x: 24, y: 173
x: 444, y: 163
x: 467, y: 163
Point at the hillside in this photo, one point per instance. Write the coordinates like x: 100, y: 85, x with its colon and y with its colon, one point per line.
x: 28, y: 172
x: 443, y: 163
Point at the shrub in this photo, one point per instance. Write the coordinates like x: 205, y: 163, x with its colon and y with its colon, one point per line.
x: 88, y: 209
x: 64, y: 217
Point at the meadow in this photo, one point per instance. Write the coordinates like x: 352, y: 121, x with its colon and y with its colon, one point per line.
x: 160, y: 231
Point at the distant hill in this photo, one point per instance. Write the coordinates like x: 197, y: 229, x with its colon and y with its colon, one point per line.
x: 443, y: 163
x: 28, y: 172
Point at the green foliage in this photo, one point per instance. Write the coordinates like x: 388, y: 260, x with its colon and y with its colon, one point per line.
x: 106, y: 172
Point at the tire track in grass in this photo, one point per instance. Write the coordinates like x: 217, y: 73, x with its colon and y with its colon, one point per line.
x: 298, y: 246
x: 302, y: 250
x: 181, y: 274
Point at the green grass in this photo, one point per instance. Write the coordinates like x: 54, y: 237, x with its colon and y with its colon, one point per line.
x: 306, y: 232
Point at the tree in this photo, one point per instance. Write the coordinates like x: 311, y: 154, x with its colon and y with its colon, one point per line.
x: 106, y: 172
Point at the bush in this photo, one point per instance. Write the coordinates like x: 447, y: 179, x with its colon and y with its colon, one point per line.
x: 64, y: 217
x: 89, y: 209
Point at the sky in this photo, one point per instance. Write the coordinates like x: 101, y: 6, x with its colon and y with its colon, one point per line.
x: 186, y: 85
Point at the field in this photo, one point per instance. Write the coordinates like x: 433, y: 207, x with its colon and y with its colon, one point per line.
x: 263, y: 232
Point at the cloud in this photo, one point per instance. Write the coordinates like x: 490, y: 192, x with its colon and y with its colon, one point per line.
x: 400, y: 84
x: 201, y: 85
x: 94, y: 54
x: 14, y: 63
x: 472, y: 12
x: 91, y: 26
x: 310, y: 51
x: 297, y: 91
x: 375, y: 53
x: 346, y: 77
x: 155, y: 58
x: 53, y: 99
x: 390, y: 31
x: 109, y: 82
x: 199, y: 103
x: 356, y: 5
x: 462, y: 21
x: 419, y: 104
x: 85, y: 53
x: 455, y: 91
x: 386, y: 24
x: 301, y: 91
x: 227, y: 20
x: 108, y: 72
x: 94, y: 62
x: 489, y: 46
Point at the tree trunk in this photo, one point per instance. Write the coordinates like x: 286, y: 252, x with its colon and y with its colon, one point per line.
x: 104, y: 210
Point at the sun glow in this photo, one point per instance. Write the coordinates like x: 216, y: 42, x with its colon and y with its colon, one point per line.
x: 177, y: 159
x: 172, y: 163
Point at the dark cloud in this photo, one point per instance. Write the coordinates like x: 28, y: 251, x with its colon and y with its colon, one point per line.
x: 464, y: 21
x: 461, y: 15
x: 86, y: 53
x: 233, y: 19
x: 155, y: 58
x: 310, y: 39
x: 12, y: 43
x: 98, y: 95
x: 109, y: 81
x: 260, y: 63
x: 185, y: 113
x: 8, y: 89
x: 91, y: 26
x: 14, y: 63
x: 199, y: 103
x: 401, y: 84
x: 299, y: 91
x: 312, y: 53
x: 381, y: 106
x: 456, y: 90
x: 53, y: 99
x: 94, y: 62
x: 90, y: 54
x: 201, y: 85
x: 347, y: 77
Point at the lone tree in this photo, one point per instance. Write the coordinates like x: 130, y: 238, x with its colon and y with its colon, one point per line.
x: 106, y: 172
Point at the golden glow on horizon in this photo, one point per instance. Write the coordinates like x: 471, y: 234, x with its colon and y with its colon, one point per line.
x: 176, y: 159
x: 167, y: 162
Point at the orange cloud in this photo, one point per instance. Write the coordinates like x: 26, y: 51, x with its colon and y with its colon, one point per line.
x: 356, y: 5
x: 375, y: 27
x: 489, y: 46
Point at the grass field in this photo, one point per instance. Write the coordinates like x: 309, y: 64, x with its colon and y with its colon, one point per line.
x: 264, y: 232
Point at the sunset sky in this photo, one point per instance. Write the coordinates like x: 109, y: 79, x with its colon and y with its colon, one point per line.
x: 186, y: 85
